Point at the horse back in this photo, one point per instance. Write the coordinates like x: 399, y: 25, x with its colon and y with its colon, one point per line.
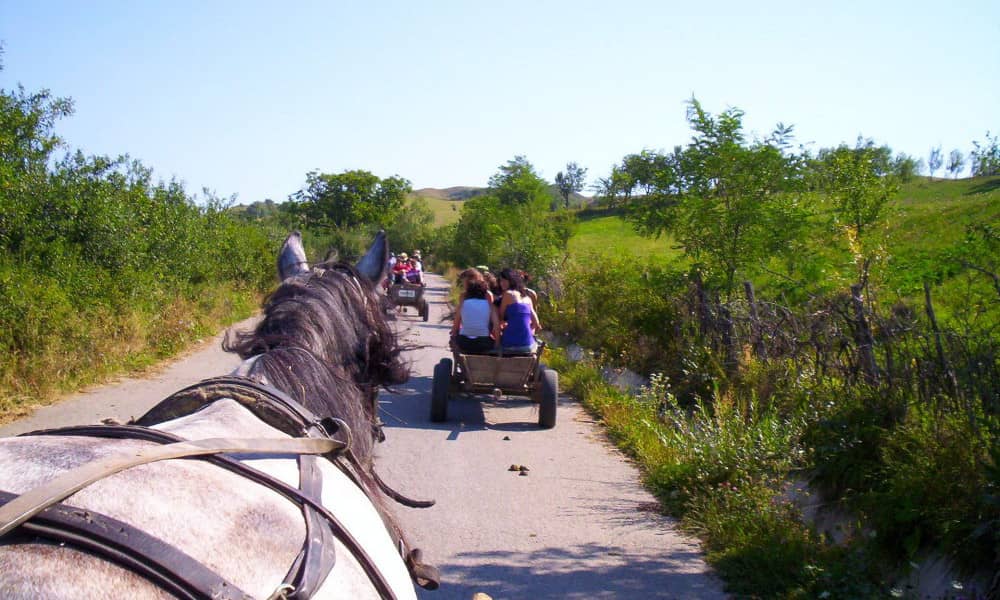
x: 245, y: 532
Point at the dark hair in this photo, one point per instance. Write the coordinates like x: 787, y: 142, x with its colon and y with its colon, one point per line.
x: 475, y: 288
x: 514, y: 279
x: 469, y: 274
x: 491, y: 282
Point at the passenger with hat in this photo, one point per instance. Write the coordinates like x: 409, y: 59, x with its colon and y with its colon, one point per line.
x: 400, y: 268
x: 415, y: 274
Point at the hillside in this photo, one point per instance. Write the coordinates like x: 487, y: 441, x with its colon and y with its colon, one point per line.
x: 467, y: 192
x: 452, y: 193
x: 929, y: 218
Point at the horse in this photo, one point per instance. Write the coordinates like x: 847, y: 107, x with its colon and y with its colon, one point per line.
x: 276, y: 495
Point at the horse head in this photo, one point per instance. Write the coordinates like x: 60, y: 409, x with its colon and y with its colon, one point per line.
x: 334, y: 312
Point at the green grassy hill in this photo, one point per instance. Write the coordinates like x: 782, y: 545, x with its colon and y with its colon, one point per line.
x: 926, y: 225
x: 447, y: 202
x: 934, y: 215
x: 446, y: 211
x: 606, y: 233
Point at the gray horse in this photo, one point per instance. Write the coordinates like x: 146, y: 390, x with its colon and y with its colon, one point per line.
x: 307, y: 527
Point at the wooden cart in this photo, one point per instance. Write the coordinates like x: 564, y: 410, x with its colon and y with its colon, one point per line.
x: 497, y: 374
x: 410, y: 294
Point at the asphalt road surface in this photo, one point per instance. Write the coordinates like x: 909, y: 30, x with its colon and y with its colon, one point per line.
x: 577, y: 525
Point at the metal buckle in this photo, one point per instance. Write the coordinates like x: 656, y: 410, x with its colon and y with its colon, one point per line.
x: 282, y: 592
x: 332, y: 425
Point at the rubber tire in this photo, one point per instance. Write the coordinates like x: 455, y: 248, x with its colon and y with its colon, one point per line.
x: 425, y: 311
x: 550, y: 399
x: 439, y: 390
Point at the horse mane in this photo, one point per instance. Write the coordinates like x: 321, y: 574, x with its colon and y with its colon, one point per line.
x: 325, y: 339
x: 321, y: 388
x: 334, y: 312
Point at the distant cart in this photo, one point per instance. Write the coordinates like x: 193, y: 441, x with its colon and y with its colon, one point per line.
x: 410, y: 294
x: 499, y: 375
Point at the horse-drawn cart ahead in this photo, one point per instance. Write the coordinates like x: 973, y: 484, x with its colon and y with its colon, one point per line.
x: 497, y: 374
x: 410, y: 294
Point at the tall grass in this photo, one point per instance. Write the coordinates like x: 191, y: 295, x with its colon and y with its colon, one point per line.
x: 103, y: 271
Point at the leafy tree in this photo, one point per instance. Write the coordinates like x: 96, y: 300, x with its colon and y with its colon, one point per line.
x: 511, y: 225
x: 985, y: 157
x: 517, y: 183
x: 571, y: 181
x: 350, y: 199
x: 855, y: 181
x: 615, y: 189
x: 906, y: 167
x: 27, y: 141
x: 729, y: 203
x: 413, y: 227
x: 956, y: 161
x: 261, y: 210
x: 935, y: 160
x: 656, y: 182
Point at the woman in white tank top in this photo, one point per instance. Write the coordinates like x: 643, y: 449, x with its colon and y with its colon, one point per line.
x: 474, y: 320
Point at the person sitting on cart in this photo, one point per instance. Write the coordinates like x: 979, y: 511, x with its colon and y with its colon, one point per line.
x: 530, y: 292
x: 415, y: 274
x: 400, y: 268
x: 518, y: 320
x: 475, y: 318
x: 494, y: 287
x: 473, y: 273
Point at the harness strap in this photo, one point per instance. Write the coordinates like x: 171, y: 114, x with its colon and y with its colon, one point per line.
x: 339, y: 530
x: 398, y: 496
x: 318, y: 554
x: 317, y: 557
x: 269, y: 404
x: 162, y: 564
x: 30, y: 503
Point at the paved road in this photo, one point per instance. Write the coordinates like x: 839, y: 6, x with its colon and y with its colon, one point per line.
x: 579, y: 525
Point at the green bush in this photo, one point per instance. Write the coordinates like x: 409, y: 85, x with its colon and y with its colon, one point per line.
x: 931, y: 489
x: 101, y: 269
x: 845, y: 444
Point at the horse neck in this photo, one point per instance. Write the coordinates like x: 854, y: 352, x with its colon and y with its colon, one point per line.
x: 221, y: 419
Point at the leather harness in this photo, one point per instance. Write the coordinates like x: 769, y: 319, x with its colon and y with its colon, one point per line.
x: 169, y: 567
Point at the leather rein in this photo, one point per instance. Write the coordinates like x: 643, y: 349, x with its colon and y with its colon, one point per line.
x: 41, y: 513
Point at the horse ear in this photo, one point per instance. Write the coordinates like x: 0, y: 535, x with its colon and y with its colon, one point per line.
x: 292, y: 257
x: 374, y: 263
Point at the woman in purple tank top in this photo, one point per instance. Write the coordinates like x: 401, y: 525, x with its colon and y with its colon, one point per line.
x: 518, y: 319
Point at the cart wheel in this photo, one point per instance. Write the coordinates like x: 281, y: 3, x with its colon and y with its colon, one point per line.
x: 425, y: 311
x: 439, y: 390
x: 550, y: 395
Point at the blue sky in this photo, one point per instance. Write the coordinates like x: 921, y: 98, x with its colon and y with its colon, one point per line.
x: 246, y: 97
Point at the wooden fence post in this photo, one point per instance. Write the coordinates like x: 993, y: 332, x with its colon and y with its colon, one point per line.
x: 863, y: 336
x: 704, y: 314
x: 942, y: 359
x: 728, y: 339
x: 756, y: 335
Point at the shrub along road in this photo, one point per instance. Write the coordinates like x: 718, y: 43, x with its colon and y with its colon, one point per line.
x: 577, y: 525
